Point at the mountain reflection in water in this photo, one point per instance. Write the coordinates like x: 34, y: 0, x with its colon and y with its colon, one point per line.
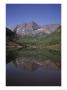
x: 33, y: 65
x: 23, y: 71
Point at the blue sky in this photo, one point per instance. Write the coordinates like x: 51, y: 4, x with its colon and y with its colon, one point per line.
x: 41, y: 13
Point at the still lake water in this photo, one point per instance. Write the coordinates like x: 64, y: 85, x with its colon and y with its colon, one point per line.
x: 29, y: 71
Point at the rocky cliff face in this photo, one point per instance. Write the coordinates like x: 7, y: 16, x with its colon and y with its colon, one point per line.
x: 26, y: 28
x: 33, y: 29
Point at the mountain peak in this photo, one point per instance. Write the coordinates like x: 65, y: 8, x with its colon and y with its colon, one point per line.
x: 26, y: 27
x: 32, y: 28
x: 33, y: 22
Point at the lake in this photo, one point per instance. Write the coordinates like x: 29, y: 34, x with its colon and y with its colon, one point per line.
x: 26, y: 67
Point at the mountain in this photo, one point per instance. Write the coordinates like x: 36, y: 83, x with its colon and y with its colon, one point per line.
x: 34, y: 35
x: 26, y: 28
x: 50, y: 28
x: 33, y: 29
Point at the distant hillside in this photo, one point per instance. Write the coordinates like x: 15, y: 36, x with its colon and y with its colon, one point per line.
x: 50, y: 28
x: 54, y: 38
x: 10, y: 38
x: 9, y: 34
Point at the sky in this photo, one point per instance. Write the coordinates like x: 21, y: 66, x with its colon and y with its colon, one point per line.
x: 40, y: 13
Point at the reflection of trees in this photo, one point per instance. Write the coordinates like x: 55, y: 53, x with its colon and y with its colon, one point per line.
x: 10, y: 56
x: 30, y: 63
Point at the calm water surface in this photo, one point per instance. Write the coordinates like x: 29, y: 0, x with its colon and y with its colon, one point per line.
x: 23, y: 71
